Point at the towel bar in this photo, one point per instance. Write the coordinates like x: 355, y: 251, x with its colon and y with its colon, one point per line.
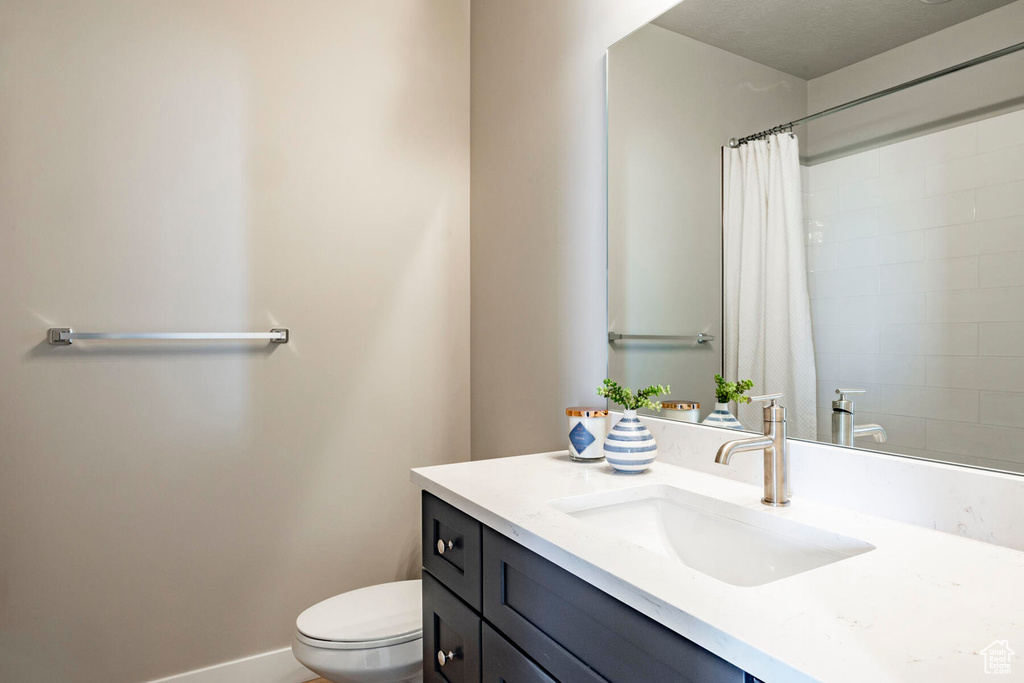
x: 700, y: 338
x: 63, y: 336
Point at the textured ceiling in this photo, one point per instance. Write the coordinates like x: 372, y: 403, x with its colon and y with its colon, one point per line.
x: 810, y: 38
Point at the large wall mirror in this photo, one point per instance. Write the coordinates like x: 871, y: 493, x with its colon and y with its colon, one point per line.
x: 878, y: 249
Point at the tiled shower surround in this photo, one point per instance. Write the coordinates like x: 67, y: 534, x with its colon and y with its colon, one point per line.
x: 916, y: 271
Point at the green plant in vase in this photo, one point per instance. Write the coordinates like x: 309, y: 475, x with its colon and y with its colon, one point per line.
x: 629, y: 446
x: 726, y: 393
x: 625, y: 397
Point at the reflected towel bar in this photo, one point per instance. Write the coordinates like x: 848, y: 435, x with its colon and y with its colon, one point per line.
x: 700, y: 338
x: 63, y: 336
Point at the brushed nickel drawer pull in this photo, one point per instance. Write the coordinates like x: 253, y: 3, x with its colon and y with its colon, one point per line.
x: 443, y: 659
x: 441, y: 546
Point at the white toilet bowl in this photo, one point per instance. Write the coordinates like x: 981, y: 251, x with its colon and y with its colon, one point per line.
x: 369, y: 635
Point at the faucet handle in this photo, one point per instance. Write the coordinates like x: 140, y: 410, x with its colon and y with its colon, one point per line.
x: 773, y: 412
x: 842, y: 392
x: 844, y: 403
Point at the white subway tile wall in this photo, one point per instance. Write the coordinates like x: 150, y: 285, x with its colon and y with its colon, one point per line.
x: 1001, y: 131
x: 916, y: 271
x: 984, y: 237
x: 1000, y: 201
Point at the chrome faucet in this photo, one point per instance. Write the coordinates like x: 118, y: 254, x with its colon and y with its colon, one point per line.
x: 844, y: 429
x: 776, y: 457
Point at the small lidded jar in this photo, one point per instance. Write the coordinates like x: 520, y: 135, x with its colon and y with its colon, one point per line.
x: 680, y: 411
x: 587, y: 429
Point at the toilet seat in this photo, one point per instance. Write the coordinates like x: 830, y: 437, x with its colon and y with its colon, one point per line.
x: 356, y: 645
x: 367, y: 618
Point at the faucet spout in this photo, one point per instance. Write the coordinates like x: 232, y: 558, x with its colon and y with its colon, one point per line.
x: 876, y: 431
x: 730, y: 448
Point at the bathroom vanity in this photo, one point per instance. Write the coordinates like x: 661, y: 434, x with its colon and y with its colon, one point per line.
x: 487, y: 600
x: 537, y: 568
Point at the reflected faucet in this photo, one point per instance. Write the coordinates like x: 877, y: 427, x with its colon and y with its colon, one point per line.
x: 844, y: 429
x: 773, y: 443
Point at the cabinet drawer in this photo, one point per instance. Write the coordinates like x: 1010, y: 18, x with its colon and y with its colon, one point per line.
x: 450, y: 629
x: 503, y: 663
x: 451, y: 548
x: 561, y: 621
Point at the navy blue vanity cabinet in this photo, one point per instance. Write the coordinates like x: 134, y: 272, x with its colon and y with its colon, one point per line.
x: 452, y: 549
x: 579, y: 633
x: 503, y: 663
x: 510, y: 616
x: 451, y: 636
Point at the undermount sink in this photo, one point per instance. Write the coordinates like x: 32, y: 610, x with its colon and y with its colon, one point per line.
x: 728, y: 542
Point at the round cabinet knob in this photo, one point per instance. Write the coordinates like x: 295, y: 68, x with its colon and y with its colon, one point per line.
x: 443, y: 658
x: 442, y: 546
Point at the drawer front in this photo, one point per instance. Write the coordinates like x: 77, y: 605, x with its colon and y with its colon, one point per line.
x: 561, y: 621
x: 503, y: 663
x: 456, y: 561
x: 451, y: 637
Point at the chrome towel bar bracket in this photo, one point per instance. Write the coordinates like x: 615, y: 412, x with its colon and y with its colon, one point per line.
x: 64, y: 336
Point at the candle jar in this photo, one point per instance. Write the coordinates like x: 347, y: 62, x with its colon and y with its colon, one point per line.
x: 680, y: 411
x: 587, y: 429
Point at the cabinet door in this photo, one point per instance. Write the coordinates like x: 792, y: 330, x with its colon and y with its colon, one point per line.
x: 577, y: 632
x: 503, y: 663
x: 451, y: 549
x: 451, y: 637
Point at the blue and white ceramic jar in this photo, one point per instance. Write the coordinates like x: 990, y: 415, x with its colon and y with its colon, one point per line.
x: 630, y: 446
x: 721, y: 417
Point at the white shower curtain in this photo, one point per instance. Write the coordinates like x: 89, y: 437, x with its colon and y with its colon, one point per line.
x: 767, y: 307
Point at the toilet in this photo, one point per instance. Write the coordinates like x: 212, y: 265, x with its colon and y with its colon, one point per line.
x: 369, y: 635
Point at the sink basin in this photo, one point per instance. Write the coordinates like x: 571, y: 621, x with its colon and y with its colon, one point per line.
x: 731, y: 543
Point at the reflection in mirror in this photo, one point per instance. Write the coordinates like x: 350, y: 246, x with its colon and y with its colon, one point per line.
x: 868, y: 263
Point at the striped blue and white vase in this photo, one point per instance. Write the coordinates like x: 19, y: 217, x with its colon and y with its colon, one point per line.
x: 630, y: 446
x: 722, y: 418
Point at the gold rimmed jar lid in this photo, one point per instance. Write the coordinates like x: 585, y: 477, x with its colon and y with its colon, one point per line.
x: 579, y: 411
x: 673, y: 404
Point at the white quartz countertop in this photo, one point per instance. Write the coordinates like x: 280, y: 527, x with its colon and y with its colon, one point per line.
x: 921, y: 606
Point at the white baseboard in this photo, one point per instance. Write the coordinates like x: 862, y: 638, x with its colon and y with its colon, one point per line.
x: 277, y: 666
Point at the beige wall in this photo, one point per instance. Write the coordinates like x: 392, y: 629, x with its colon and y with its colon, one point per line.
x: 222, y: 166
x: 672, y: 103
x: 538, y: 213
x: 971, y: 95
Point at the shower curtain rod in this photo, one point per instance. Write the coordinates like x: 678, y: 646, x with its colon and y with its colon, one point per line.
x: 733, y: 142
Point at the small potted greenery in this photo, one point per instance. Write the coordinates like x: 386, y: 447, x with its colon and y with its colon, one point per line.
x: 629, y: 446
x: 725, y: 393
